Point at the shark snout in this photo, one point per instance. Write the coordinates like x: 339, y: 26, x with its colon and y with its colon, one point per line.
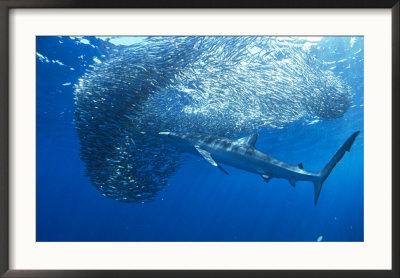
x: 172, y: 136
x: 165, y: 133
x: 169, y: 136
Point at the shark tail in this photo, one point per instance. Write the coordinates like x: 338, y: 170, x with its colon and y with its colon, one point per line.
x: 324, y: 173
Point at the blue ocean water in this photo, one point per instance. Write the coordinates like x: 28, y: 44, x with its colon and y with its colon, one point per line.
x: 199, y: 202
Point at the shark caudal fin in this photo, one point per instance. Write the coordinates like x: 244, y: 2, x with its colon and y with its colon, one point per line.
x: 324, y: 173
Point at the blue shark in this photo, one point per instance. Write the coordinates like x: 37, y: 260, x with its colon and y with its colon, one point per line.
x: 242, y: 154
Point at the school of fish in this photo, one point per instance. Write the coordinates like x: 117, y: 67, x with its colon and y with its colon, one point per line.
x: 219, y: 85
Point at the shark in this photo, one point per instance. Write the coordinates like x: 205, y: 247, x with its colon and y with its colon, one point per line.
x: 242, y: 153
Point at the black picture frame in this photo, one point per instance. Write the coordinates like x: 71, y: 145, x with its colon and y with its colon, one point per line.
x: 7, y: 5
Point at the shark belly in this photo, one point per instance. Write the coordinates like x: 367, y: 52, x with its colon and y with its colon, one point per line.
x: 240, y: 161
x: 259, y: 163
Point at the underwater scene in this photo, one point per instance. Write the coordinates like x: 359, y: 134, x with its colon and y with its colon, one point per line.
x: 199, y: 139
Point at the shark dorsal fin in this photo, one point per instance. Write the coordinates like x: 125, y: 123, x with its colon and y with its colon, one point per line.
x: 248, y: 140
x: 301, y: 165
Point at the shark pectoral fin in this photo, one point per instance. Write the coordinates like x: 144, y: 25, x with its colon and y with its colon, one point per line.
x: 301, y: 165
x: 223, y: 170
x: 207, y: 156
x: 266, y: 178
x: 292, y: 182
